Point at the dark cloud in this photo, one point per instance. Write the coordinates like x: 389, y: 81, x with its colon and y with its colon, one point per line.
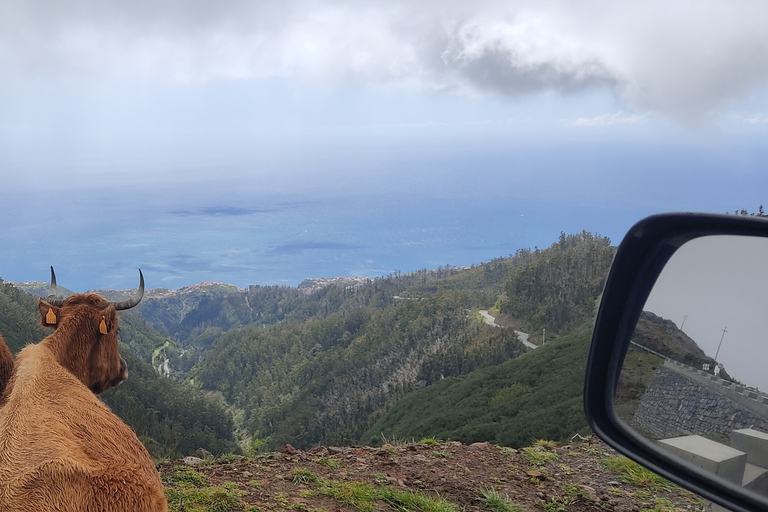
x: 299, y: 247
x: 180, y: 264
x: 493, y: 71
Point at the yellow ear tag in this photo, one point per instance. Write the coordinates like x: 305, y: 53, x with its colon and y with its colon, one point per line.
x: 103, y: 326
x: 50, y: 317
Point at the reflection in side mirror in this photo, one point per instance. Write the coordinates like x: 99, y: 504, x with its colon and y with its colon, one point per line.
x: 694, y: 376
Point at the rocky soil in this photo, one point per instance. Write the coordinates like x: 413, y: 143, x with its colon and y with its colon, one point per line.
x: 454, y: 477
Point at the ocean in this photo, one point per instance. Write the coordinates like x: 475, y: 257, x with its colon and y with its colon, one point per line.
x: 350, y: 211
x: 281, y: 240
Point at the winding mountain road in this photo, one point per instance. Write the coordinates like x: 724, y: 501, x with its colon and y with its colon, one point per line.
x: 490, y: 320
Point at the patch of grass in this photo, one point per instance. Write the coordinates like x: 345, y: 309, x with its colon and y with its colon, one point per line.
x: 303, y: 476
x: 635, y: 474
x: 505, y: 450
x: 282, y: 499
x: 213, y: 499
x: 661, y: 505
x: 430, y: 441
x: 258, y: 484
x: 495, y: 502
x: 380, y: 478
x: 364, y: 497
x: 227, y: 458
x: 407, y: 501
x: 575, y: 491
x: 357, y: 494
x: 326, y: 461
x: 538, y: 456
x: 553, y: 505
x: 185, y: 476
x: 395, y: 441
x: 641, y: 494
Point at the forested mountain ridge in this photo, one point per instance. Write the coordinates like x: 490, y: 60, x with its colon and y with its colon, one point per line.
x: 323, y: 367
x: 559, y: 288
x: 328, y: 379
x: 325, y: 380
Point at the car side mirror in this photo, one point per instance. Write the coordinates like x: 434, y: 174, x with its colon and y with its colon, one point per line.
x: 676, y: 377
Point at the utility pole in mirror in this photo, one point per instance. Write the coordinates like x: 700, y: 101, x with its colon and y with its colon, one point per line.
x: 725, y: 330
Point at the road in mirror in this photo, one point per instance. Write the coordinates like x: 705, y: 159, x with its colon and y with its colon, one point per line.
x: 694, y: 379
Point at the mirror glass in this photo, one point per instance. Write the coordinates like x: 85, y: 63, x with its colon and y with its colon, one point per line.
x: 695, y: 376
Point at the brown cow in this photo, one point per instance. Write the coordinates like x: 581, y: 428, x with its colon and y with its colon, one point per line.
x: 6, y: 364
x: 60, y: 447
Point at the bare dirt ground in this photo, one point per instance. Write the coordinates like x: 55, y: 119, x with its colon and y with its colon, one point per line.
x: 475, y: 478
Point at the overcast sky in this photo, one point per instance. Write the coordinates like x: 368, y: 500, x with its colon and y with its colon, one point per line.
x: 719, y: 283
x: 111, y: 108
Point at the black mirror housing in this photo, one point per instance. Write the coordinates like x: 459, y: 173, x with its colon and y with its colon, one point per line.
x: 640, y: 258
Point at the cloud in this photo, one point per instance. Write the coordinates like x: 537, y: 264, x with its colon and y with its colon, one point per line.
x: 681, y: 58
x: 300, y: 247
x: 749, y: 118
x: 221, y: 211
x: 616, y: 118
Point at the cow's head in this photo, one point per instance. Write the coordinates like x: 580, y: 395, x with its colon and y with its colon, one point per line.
x: 85, y: 337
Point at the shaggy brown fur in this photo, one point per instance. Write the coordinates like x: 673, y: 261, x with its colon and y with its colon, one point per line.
x: 60, y: 447
x: 6, y: 365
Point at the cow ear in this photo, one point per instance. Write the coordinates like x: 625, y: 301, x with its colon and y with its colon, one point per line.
x: 107, y: 323
x: 49, y: 315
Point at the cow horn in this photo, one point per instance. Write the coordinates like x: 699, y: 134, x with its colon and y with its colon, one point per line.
x: 128, y: 304
x: 54, y: 299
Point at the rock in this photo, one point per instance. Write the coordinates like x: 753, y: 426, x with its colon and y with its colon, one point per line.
x: 192, y: 461
x: 203, y: 454
x: 290, y: 450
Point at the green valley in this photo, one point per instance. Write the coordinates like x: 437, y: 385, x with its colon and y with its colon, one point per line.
x: 344, y: 361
